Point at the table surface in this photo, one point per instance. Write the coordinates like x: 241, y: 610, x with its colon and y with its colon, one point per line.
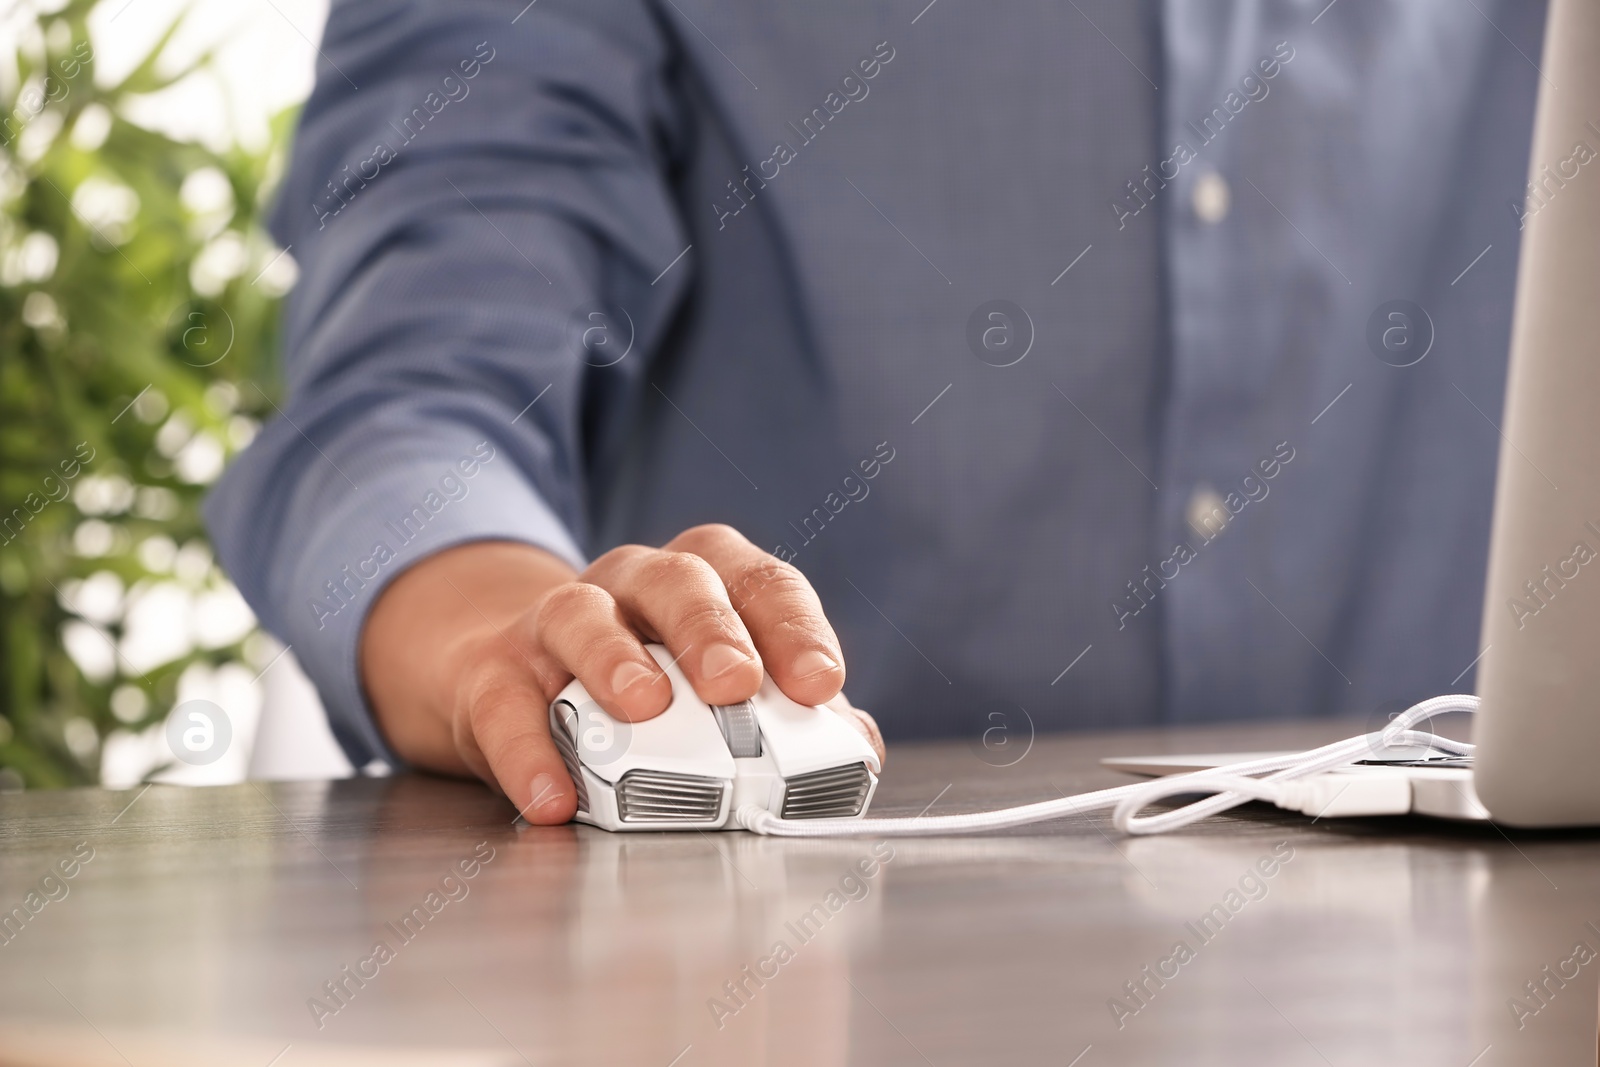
x: 204, y: 925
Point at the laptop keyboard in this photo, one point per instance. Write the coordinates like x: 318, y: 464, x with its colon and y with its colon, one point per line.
x: 1464, y: 762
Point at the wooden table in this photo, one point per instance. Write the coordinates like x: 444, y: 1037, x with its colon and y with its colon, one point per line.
x: 209, y: 923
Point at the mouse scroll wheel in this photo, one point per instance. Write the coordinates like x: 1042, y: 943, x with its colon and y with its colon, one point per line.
x: 739, y: 728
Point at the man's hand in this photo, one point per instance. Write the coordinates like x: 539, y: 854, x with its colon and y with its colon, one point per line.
x: 463, y: 653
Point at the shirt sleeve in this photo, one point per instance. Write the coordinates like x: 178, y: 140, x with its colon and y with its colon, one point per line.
x: 478, y: 200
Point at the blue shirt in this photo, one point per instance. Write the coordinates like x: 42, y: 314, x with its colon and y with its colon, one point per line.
x: 1100, y: 365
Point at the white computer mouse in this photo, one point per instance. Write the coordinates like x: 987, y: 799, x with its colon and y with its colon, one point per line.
x: 691, y: 766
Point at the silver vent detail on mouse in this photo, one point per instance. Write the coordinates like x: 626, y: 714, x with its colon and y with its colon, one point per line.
x: 836, y: 793
x: 561, y: 734
x: 650, y: 796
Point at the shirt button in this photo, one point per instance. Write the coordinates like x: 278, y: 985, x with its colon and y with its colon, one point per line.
x: 1206, y: 513
x: 1210, y: 197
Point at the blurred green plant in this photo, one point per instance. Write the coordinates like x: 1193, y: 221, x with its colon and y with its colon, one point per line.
x: 132, y: 324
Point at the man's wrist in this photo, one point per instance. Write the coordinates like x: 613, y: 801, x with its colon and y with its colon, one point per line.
x: 428, y: 627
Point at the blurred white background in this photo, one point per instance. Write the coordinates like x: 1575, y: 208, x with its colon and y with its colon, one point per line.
x: 266, y: 51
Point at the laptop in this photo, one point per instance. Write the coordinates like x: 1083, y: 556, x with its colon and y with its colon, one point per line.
x: 1537, y: 730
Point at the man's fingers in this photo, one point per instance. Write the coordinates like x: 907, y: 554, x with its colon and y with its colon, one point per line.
x: 504, y: 729
x: 677, y: 598
x: 781, y: 610
x: 582, y: 627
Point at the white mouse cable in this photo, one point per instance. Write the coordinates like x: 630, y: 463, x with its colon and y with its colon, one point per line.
x: 1279, y: 782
